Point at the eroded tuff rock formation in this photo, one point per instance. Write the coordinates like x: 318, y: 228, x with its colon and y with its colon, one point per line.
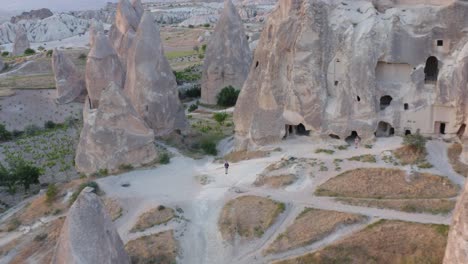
x: 69, y: 82
x: 113, y: 135
x: 102, y: 67
x: 151, y: 84
x: 32, y: 15
x: 343, y: 69
x: 228, y: 55
x: 457, y: 244
x: 123, y: 31
x: 95, y: 28
x: 21, y: 42
x: 88, y: 234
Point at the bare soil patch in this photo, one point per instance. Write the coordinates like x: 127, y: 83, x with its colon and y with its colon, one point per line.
x: 386, y: 183
x: 248, y: 217
x: 433, y: 206
x: 155, y: 216
x: 454, y: 157
x: 275, y: 181
x: 113, y: 208
x: 410, y: 155
x: 310, y: 226
x: 245, y: 155
x: 159, y: 248
x: 385, y: 242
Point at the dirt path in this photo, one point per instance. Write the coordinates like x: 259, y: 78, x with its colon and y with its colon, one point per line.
x: 174, y: 185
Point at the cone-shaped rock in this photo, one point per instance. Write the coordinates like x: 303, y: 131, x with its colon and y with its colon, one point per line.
x: 69, y: 82
x: 95, y: 28
x: 102, y: 67
x: 21, y: 41
x: 123, y: 31
x: 457, y: 244
x: 113, y: 135
x: 139, y: 10
x: 88, y: 234
x: 228, y: 56
x: 150, y: 83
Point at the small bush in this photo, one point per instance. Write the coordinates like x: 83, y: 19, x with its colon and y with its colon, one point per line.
x: 31, y: 130
x: 228, y: 96
x: 203, y: 48
x: 5, y: 53
x: 161, y: 207
x: 51, y: 193
x: 125, y: 167
x: 416, y: 141
x: 49, y: 124
x: 29, y: 51
x: 209, y: 147
x: 49, y: 53
x: 93, y: 185
x: 164, y: 158
x: 326, y: 151
x: 194, y: 92
x: 193, y: 107
x: 201, y: 56
x: 191, y: 26
x: 82, y: 56
x: 207, y: 25
x: 5, y: 135
x: 40, y: 48
x: 220, y: 117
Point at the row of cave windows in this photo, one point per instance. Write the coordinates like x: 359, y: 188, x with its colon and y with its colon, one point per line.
x: 385, y: 102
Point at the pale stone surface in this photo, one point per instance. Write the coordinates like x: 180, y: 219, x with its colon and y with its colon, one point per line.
x: 95, y: 28
x: 21, y: 41
x: 228, y: 56
x: 123, y: 31
x: 88, y: 234
x: 102, y: 67
x: 151, y: 84
x: 69, y: 82
x: 457, y: 244
x: 327, y: 65
x: 113, y: 135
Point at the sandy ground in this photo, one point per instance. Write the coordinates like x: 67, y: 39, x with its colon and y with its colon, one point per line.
x: 196, y: 230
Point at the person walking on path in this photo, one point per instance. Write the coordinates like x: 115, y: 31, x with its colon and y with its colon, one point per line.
x: 226, y: 167
x: 356, y: 142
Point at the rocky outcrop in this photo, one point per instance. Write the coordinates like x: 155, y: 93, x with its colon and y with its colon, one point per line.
x: 124, y: 29
x: 102, y: 67
x: 69, y: 82
x: 95, y: 28
x: 56, y: 27
x: 343, y: 69
x: 32, y: 15
x: 457, y: 244
x: 228, y: 55
x: 151, y: 84
x: 113, y: 135
x: 88, y: 234
x: 21, y: 42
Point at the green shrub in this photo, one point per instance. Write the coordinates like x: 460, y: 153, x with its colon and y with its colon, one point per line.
x: 49, y: 124
x: 203, y: 48
x: 326, y: 151
x: 220, y: 117
x: 188, y: 75
x: 164, y: 158
x: 29, y: 51
x: 193, y: 92
x: 209, y: 147
x: 82, y: 56
x: 207, y: 25
x: 49, y: 53
x: 31, y: 130
x: 201, y: 56
x: 18, y: 172
x: 5, y: 135
x: 125, y: 167
x: 416, y: 141
x: 191, y: 26
x: 40, y: 48
x: 5, y: 53
x: 193, y: 107
x: 51, y: 193
x: 228, y: 96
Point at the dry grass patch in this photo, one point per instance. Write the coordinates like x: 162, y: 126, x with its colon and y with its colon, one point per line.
x: 364, y: 158
x: 410, y: 155
x: 275, y: 181
x: 310, y: 226
x: 245, y: 155
x: 454, y: 157
x: 159, y: 248
x: 248, y: 217
x: 155, y: 216
x: 113, y: 208
x: 433, y: 206
x: 35, y: 247
x: 385, y: 242
x: 383, y: 183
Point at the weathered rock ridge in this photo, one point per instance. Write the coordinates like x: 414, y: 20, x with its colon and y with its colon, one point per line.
x: 102, y: 67
x: 69, y: 82
x: 342, y: 69
x: 33, y: 14
x: 151, y: 84
x: 21, y: 42
x: 113, y: 135
x: 228, y: 55
x: 88, y: 234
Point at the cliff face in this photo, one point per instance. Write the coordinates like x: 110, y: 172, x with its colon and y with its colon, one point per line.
x: 344, y: 68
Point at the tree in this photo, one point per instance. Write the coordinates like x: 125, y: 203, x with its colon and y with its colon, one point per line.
x: 415, y: 141
x: 29, y: 51
x: 228, y: 96
x: 19, y: 172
